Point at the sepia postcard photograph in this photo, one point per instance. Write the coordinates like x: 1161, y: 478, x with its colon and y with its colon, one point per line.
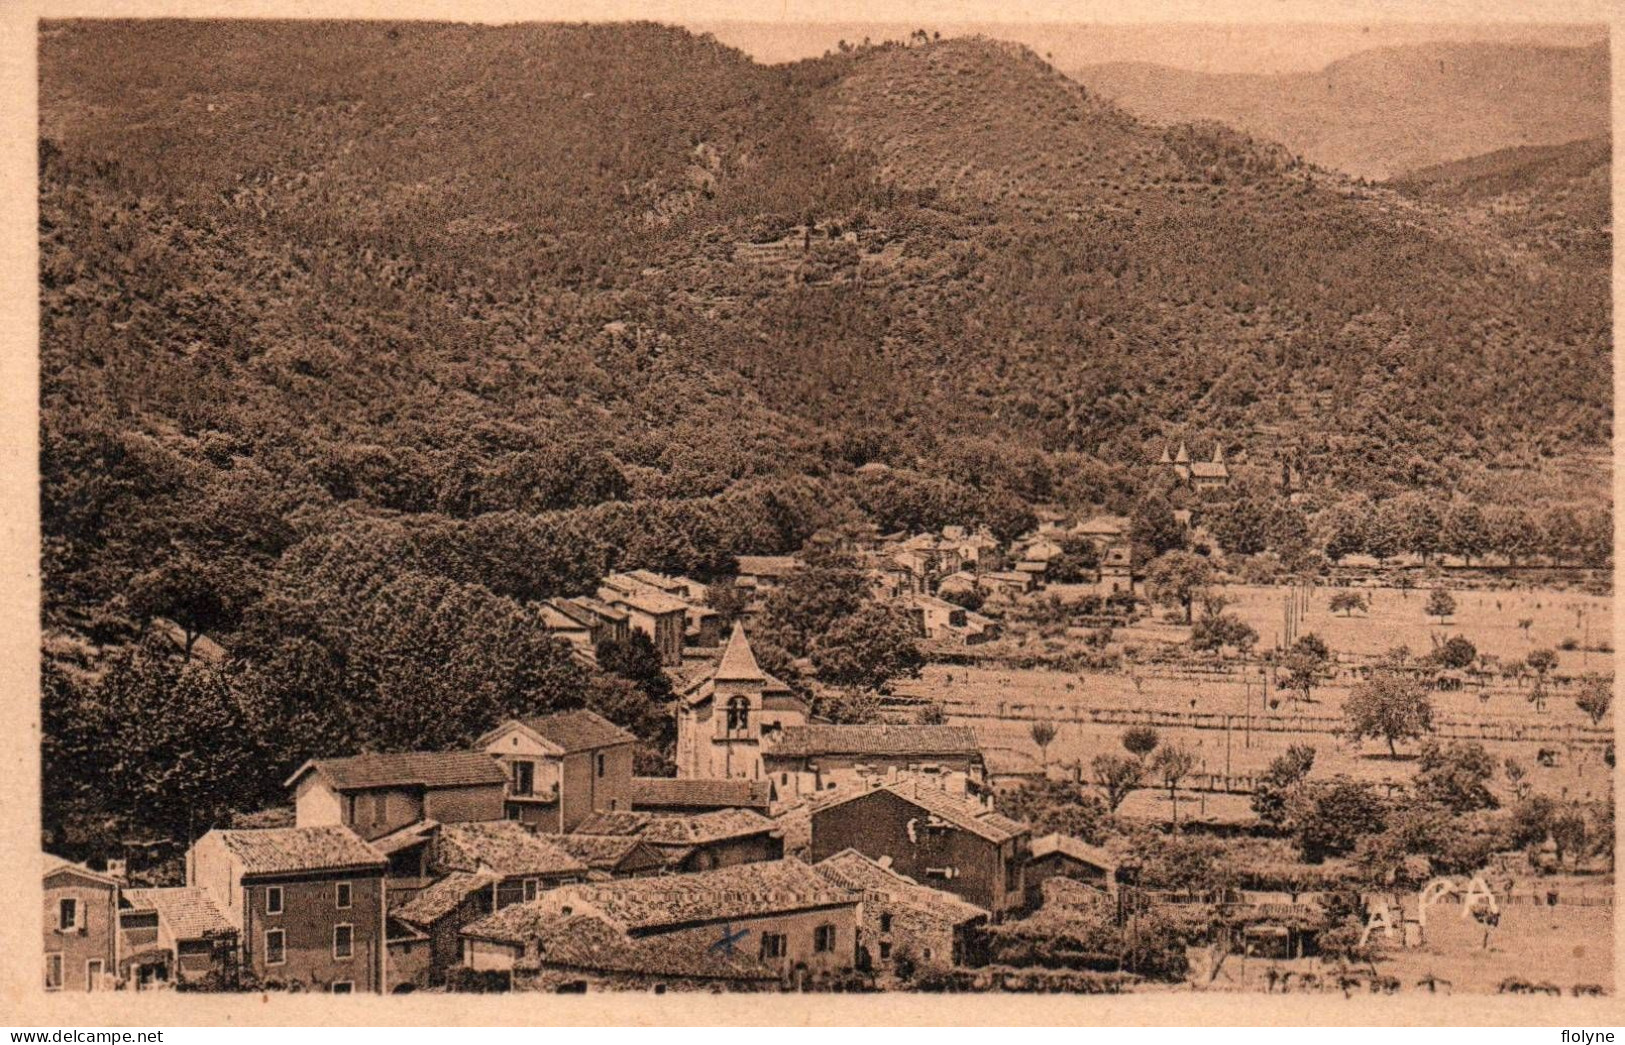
x: 694, y: 506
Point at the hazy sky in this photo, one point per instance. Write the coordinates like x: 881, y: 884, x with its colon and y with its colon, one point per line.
x: 1205, y: 48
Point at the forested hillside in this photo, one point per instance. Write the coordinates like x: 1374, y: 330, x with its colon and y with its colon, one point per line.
x: 359, y: 339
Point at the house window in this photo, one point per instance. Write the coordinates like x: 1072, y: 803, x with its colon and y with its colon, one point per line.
x: 342, y: 897
x: 276, y: 948
x: 601, y: 763
x: 343, y: 987
x: 524, y: 778
x: 774, y: 945
x: 349, y: 809
x: 530, y: 888
x: 67, y: 914
x: 343, y: 941
x: 824, y: 938
x: 273, y: 899
x: 93, y: 974
x: 739, y: 715
x: 885, y: 923
x: 885, y: 950
x: 53, y: 972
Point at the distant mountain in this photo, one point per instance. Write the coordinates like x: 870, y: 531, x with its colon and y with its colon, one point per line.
x: 1382, y: 112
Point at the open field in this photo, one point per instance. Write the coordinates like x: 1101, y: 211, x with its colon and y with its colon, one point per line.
x: 1247, y: 732
x: 1563, y: 945
x: 1488, y: 618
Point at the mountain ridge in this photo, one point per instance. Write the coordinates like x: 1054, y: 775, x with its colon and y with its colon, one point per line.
x: 1379, y: 113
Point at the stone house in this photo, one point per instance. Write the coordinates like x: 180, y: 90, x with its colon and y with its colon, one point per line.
x: 562, y: 768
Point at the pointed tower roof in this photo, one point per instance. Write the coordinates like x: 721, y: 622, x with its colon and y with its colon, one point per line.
x: 1165, y: 459
x: 1218, y: 453
x: 1184, y: 455
x: 738, y: 662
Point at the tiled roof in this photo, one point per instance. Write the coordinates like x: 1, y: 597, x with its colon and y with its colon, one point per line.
x: 1209, y: 470
x: 704, y: 828
x: 807, y: 741
x: 556, y: 619
x: 696, y: 829
x: 579, y: 730
x: 405, y: 837
x: 590, y: 944
x: 852, y: 870
x: 570, y: 610
x: 289, y: 850
x: 613, y: 823
x: 602, y: 852
x: 767, y: 565
x: 443, y: 897
x: 427, y: 769
x: 741, y: 891
x: 643, y: 598
x: 1078, y: 850
x: 667, y: 792
x: 502, y: 847
x: 189, y: 911
x: 1103, y: 525
x: 599, y: 608
x: 50, y: 863
x: 963, y: 813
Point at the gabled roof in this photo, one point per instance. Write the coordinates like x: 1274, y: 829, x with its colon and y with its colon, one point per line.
x: 883, y: 739
x: 501, y: 847
x: 696, y: 829
x: 642, y: 598
x: 598, y: 608
x: 767, y: 565
x: 607, y: 852
x: 1104, y: 525
x: 740, y: 891
x: 592, y: 945
x: 573, y: 731
x: 425, y: 769
x: 293, y: 850
x: 674, y: 792
x: 963, y: 813
x: 1074, y: 848
x: 738, y: 663
x: 51, y: 864
x: 853, y: 870
x: 443, y: 897
x: 405, y: 837
x: 189, y: 911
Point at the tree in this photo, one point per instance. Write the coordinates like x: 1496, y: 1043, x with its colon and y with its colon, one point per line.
x: 868, y: 649
x: 201, y: 597
x: 1306, y: 665
x: 1214, y: 631
x: 1466, y: 532
x: 729, y: 601
x: 1348, y: 602
x: 813, y: 600
x: 1517, y: 777
x: 848, y: 707
x: 1153, y: 529
x: 1441, y: 604
x: 1178, y: 579
x: 1117, y: 776
x: 1596, y: 696
x: 1455, y: 776
x: 1456, y: 652
x: 1171, y: 764
x: 1078, y: 562
x: 932, y: 714
x: 1392, y: 707
x: 1140, y: 741
x: 635, y: 659
x: 1335, y: 816
x: 1277, y: 790
x: 1541, y: 662
x: 1043, y: 734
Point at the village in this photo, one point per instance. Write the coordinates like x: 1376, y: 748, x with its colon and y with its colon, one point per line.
x: 1100, y: 778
